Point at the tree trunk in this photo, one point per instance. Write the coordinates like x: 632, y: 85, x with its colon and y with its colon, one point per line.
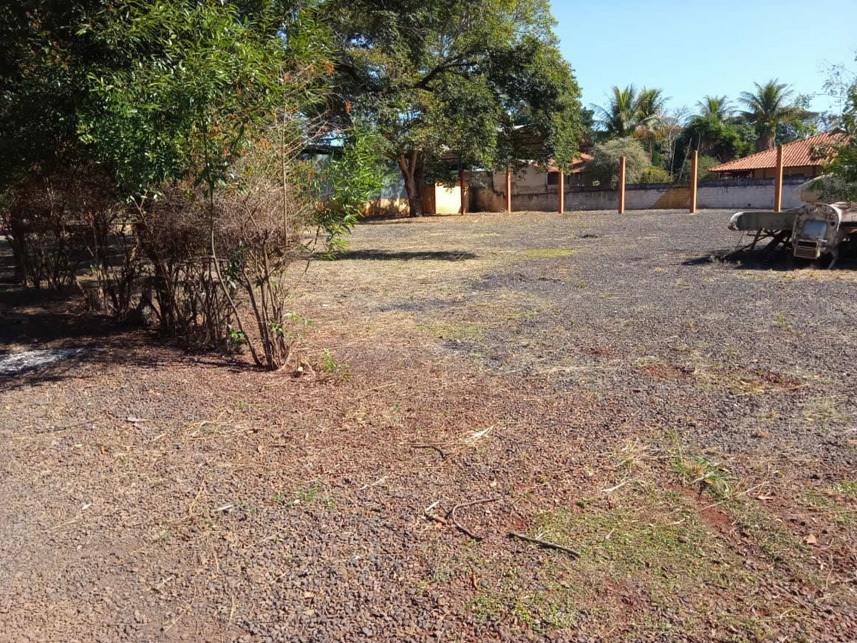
x: 411, y: 167
x: 766, y: 141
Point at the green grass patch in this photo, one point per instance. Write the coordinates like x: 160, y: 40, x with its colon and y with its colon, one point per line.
x: 629, y: 539
x: 836, y: 502
x: 783, y: 322
x: 306, y: 493
x: 770, y: 535
x: 708, y: 474
x: 548, y: 253
x: 847, y: 487
x: 539, y: 610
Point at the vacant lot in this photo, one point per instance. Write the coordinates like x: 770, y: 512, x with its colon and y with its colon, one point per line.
x: 685, y: 425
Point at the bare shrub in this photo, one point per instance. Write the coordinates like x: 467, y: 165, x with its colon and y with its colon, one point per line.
x: 47, y: 225
x: 115, y: 260
x: 182, y: 288
x: 260, y: 236
x: 71, y: 228
x: 279, y: 214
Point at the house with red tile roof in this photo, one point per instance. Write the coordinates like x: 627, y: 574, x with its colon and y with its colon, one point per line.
x: 800, y: 158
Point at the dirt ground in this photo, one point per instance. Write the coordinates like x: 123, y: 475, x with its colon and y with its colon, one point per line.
x: 684, y: 426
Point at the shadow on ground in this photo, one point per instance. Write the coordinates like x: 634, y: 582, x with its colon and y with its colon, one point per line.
x: 780, y: 260
x: 33, y: 316
x: 384, y: 255
x: 46, y: 336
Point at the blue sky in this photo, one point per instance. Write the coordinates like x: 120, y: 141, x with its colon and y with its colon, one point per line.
x: 690, y: 48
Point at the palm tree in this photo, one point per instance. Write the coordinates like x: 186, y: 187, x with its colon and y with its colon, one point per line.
x: 716, y: 107
x: 651, y: 105
x: 767, y: 108
x: 619, y: 118
x: 631, y: 113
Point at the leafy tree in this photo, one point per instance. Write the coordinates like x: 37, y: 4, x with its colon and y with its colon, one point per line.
x: 804, y: 123
x: 203, y: 80
x: 724, y: 140
x: 45, y: 60
x: 767, y: 108
x: 604, y: 166
x: 476, y: 80
x: 705, y: 163
x: 843, y: 167
x: 587, y: 127
x: 650, y: 107
x: 194, y: 113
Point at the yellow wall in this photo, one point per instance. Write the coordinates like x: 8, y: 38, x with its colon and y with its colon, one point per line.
x: 386, y: 207
x: 447, y: 200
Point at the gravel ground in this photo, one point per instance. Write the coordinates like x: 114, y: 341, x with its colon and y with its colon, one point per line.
x: 685, y: 424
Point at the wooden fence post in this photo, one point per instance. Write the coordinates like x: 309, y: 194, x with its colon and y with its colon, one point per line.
x: 561, y: 192
x: 463, y: 185
x: 694, y: 179
x: 622, y: 185
x: 508, y: 189
x: 778, y: 181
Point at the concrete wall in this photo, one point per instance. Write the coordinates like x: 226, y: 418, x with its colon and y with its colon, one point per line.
x: 729, y: 194
x: 530, y: 179
x: 749, y: 193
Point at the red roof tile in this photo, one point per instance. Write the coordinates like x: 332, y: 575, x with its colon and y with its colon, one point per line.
x: 796, y: 154
x: 576, y: 165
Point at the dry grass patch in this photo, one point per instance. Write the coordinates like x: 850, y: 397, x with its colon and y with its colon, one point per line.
x: 737, y: 381
x: 823, y: 411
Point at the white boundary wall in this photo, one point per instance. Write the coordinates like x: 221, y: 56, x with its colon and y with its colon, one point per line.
x: 731, y: 194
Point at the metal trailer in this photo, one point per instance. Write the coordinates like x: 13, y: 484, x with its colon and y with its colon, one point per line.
x: 812, y: 230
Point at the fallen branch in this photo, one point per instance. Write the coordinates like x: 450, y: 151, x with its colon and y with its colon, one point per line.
x: 428, y: 513
x: 462, y: 528
x: 57, y: 429
x: 617, y: 487
x: 544, y: 543
x: 434, y: 447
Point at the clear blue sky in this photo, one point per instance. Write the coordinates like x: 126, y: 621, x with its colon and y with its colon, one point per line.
x: 690, y: 48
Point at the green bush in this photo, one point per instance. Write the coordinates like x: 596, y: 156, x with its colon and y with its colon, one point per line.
x: 603, y: 169
x: 705, y: 164
x: 655, y: 174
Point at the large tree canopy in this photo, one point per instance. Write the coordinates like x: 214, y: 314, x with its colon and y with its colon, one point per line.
x: 456, y: 79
